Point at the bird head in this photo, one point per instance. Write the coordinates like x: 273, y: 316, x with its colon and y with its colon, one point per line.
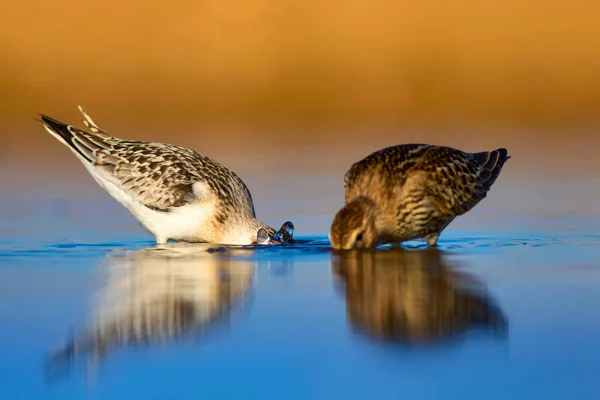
x: 354, y: 226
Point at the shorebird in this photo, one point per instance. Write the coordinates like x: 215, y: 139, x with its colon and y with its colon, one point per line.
x: 413, y: 297
x: 175, y: 193
x: 156, y: 296
x: 411, y: 191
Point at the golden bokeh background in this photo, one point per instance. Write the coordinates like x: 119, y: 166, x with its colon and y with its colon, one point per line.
x: 226, y: 76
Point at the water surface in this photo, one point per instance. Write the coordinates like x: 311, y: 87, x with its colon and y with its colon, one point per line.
x: 506, y: 307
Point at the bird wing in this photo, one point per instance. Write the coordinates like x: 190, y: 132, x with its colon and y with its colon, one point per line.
x: 382, y: 170
x: 158, y: 175
x: 456, y: 181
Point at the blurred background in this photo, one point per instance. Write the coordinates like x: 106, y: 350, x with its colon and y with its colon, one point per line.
x: 289, y: 94
x: 275, y: 89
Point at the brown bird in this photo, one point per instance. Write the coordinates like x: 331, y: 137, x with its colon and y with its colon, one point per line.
x: 411, y: 191
x: 413, y: 297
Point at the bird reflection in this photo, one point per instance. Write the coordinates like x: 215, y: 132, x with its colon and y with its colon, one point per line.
x: 412, y: 297
x: 158, y: 295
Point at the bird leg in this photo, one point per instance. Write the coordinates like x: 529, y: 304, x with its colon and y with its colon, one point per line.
x: 432, y: 239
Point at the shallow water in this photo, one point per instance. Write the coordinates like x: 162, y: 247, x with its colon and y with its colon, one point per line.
x: 91, y: 308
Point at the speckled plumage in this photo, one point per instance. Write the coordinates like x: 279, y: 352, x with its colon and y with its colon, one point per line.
x: 175, y: 193
x: 413, y: 297
x: 411, y: 191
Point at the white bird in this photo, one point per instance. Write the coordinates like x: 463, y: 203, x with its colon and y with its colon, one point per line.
x: 156, y: 296
x: 175, y: 193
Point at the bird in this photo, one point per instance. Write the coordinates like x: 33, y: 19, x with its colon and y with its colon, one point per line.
x: 413, y: 298
x: 411, y: 191
x: 156, y: 296
x: 174, y: 193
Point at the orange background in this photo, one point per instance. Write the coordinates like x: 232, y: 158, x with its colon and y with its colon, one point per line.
x: 261, y: 78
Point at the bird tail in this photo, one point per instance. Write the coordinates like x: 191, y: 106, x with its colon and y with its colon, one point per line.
x: 65, y: 134
x: 491, y: 163
x: 83, y: 144
x: 58, y: 129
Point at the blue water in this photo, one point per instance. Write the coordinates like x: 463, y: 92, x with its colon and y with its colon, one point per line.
x: 493, y: 314
x: 91, y: 308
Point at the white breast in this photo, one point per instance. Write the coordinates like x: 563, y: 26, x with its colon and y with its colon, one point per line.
x: 192, y: 222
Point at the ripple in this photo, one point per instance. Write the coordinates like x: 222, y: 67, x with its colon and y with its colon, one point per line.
x: 307, y: 245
